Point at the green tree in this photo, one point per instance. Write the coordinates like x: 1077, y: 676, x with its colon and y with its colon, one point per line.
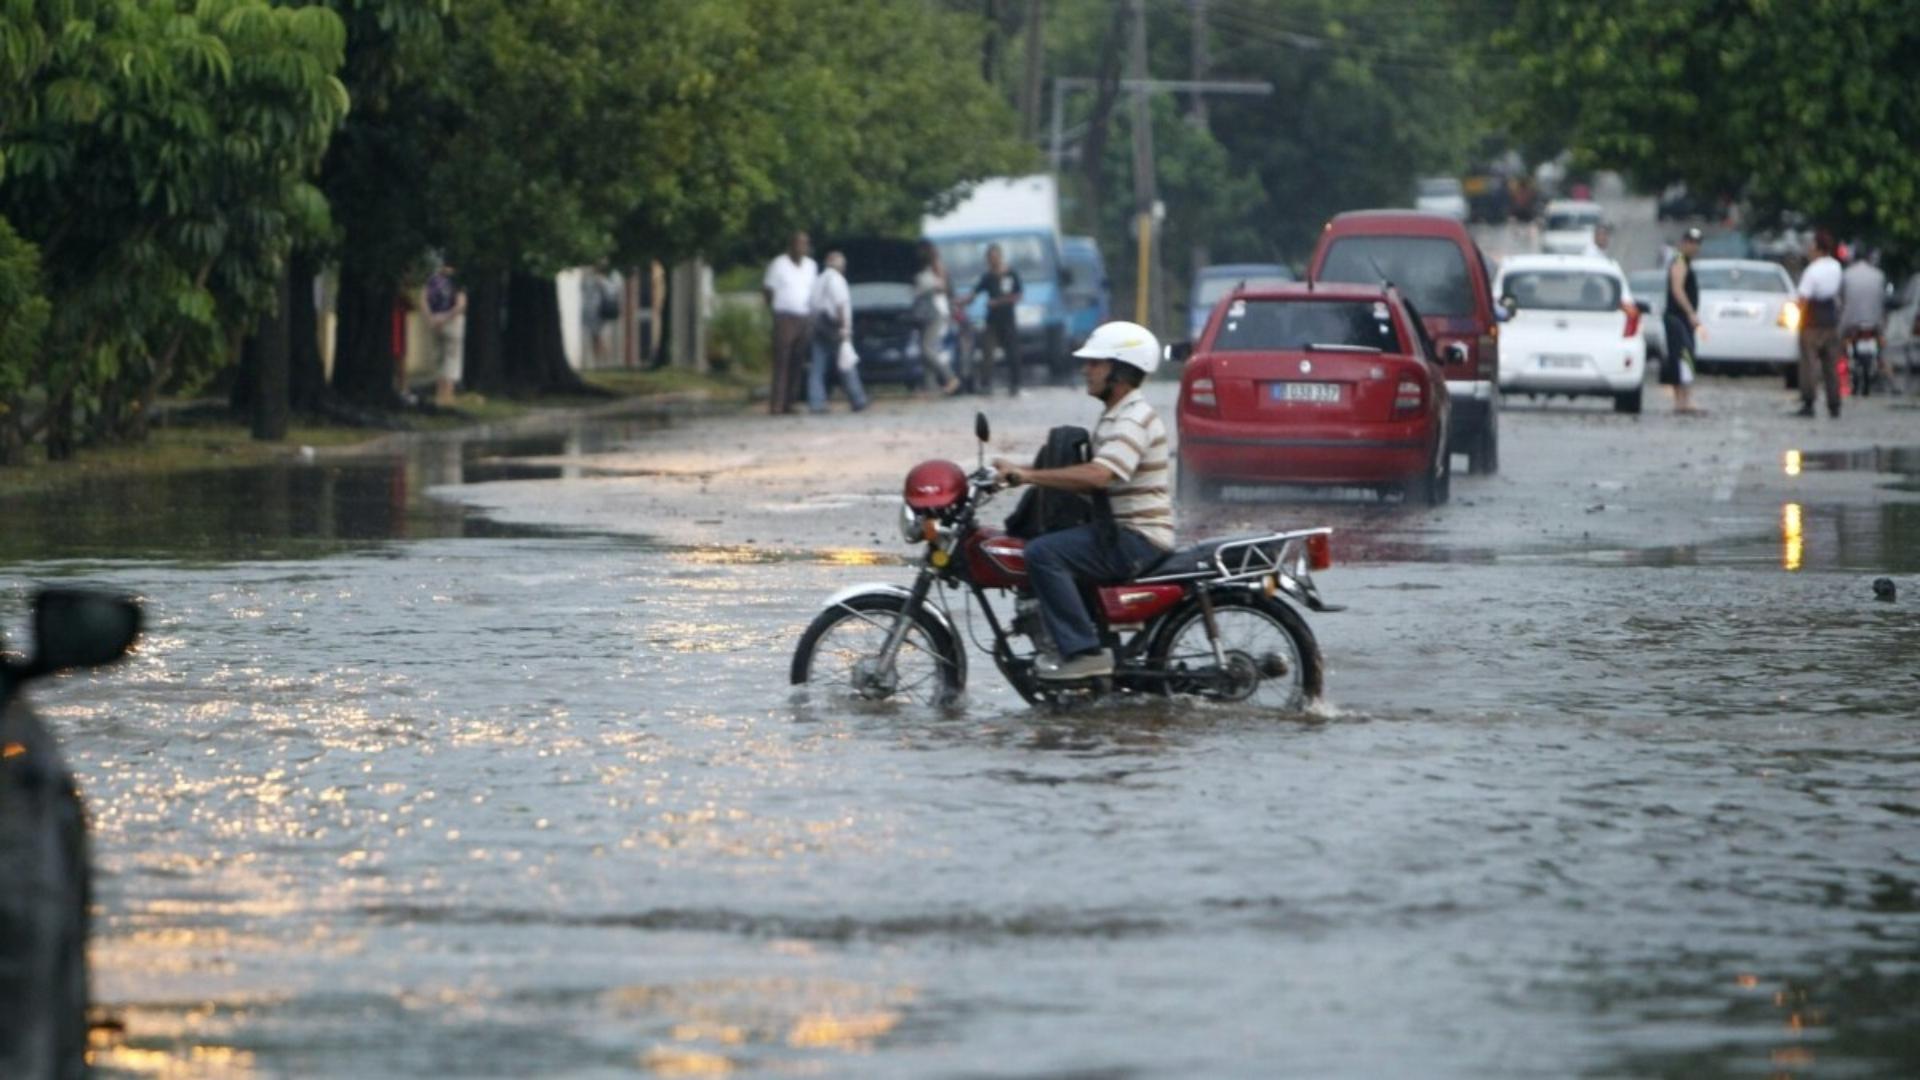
x: 1803, y: 106
x: 156, y: 157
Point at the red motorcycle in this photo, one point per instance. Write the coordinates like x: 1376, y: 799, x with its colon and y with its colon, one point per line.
x: 1216, y: 620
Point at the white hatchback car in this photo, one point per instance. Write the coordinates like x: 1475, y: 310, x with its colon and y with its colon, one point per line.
x: 1748, y: 320
x: 1574, y: 329
x: 1569, y: 226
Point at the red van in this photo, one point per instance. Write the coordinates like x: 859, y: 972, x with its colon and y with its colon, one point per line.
x: 1443, y: 275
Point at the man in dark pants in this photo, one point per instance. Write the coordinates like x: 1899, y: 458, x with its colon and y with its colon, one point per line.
x: 1819, y: 293
x: 788, y: 287
x: 1680, y: 320
x: 1001, y: 283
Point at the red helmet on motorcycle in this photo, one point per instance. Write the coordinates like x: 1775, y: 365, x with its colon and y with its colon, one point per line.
x: 935, y: 485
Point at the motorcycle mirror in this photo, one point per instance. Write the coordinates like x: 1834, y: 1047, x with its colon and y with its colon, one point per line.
x: 74, y: 628
x: 980, y: 429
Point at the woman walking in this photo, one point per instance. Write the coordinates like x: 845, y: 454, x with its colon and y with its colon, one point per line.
x: 932, y: 310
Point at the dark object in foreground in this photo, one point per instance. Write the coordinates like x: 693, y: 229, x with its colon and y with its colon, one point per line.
x: 1883, y: 589
x: 43, y: 843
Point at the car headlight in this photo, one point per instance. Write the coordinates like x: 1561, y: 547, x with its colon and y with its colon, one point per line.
x: 909, y: 525
x: 1790, y: 315
x: 1029, y: 316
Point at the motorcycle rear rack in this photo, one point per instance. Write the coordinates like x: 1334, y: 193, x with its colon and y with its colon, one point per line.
x: 1280, y: 556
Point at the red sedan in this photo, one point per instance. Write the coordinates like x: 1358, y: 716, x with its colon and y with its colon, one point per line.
x: 1331, y: 385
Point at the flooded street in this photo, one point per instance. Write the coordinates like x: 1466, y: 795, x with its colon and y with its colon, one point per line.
x: 479, y: 759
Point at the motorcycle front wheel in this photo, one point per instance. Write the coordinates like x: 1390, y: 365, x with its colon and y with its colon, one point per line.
x: 839, y: 654
x: 1273, y: 660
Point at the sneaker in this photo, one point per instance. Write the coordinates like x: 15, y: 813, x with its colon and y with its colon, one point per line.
x: 1085, y: 666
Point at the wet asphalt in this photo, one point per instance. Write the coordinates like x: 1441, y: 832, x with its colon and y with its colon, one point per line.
x: 476, y: 758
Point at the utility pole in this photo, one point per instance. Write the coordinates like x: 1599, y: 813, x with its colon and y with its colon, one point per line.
x: 1030, y: 88
x: 1144, y: 183
x: 1198, y: 256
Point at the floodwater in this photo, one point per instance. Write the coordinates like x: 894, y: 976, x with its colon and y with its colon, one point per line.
x: 391, y: 791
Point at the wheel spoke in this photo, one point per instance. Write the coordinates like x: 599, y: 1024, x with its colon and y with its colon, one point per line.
x: 858, y: 637
x: 1250, y: 633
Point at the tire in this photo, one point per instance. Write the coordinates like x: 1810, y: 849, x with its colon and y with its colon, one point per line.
x: 849, y: 632
x: 1428, y: 489
x: 1483, y: 456
x: 1265, y: 629
x: 1629, y: 402
x: 1441, y: 491
x: 1793, y: 376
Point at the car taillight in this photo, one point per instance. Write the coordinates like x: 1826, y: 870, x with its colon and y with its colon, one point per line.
x: 1408, y: 398
x: 1320, y: 551
x: 1790, y: 315
x: 1633, y: 320
x: 1489, y: 354
x: 1200, y: 393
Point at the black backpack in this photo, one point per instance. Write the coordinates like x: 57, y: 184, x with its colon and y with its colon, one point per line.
x: 1043, y: 510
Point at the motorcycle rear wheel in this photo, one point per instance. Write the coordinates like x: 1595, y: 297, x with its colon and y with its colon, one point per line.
x: 1273, y: 660
x: 838, y: 654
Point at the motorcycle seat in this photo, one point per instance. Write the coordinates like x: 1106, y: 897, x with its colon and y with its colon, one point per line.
x: 1196, y: 561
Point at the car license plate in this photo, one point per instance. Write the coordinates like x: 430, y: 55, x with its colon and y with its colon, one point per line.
x: 1739, y: 311
x: 1318, y: 393
x: 1561, y: 361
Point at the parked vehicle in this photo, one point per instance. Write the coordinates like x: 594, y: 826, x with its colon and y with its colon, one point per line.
x: 1326, y: 385
x: 1441, y: 195
x: 1903, y: 325
x: 1488, y: 197
x: 1448, y: 280
x: 1022, y: 215
x: 1569, y: 226
x: 1650, y: 289
x: 880, y: 274
x: 1748, y: 317
x: 44, y: 906
x: 1218, y: 620
x: 1215, y: 282
x: 1575, y: 329
x: 1089, y: 297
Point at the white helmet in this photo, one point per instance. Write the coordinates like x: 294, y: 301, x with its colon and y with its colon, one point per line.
x: 1129, y: 343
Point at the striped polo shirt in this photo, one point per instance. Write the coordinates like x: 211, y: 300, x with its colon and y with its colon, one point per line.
x: 1131, y: 441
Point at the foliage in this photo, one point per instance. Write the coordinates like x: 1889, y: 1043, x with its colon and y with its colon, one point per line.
x: 157, y: 157
x: 23, y: 312
x: 1804, y: 106
x: 743, y: 335
x: 1367, y: 95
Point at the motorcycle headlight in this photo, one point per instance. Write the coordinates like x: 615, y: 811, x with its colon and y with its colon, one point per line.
x: 1028, y: 316
x: 909, y: 524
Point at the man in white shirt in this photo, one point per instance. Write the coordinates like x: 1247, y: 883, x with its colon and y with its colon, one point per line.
x: 832, y: 312
x: 1819, y: 293
x: 788, y: 287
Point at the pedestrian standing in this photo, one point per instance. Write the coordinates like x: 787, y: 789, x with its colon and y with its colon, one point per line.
x: 832, y: 312
x: 1681, y: 319
x: 447, y: 324
x: 788, y: 287
x: 1001, y: 284
x: 932, y: 310
x: 600, y: 294
x: 1819, y: 293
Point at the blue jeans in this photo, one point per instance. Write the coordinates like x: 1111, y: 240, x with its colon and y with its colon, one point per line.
x: 1057, y: 560
x: 826, y: 354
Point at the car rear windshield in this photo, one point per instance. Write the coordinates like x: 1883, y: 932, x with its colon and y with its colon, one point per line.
x: 1572, y: 219
x: 866, y: 295
x: 1740, y: 278
x: 1430, y: 270
x: 1210, y: 290
x: 1263, y: 325
x: 1562, y: 290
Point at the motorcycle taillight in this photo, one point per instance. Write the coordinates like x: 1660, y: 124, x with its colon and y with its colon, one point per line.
x: 1320, y: 551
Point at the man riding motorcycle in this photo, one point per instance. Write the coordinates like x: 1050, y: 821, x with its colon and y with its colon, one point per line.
x: 1129, y: 466
x: 1863, y: 312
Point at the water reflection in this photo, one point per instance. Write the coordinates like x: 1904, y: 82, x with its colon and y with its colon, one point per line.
x: 1792, y: 542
